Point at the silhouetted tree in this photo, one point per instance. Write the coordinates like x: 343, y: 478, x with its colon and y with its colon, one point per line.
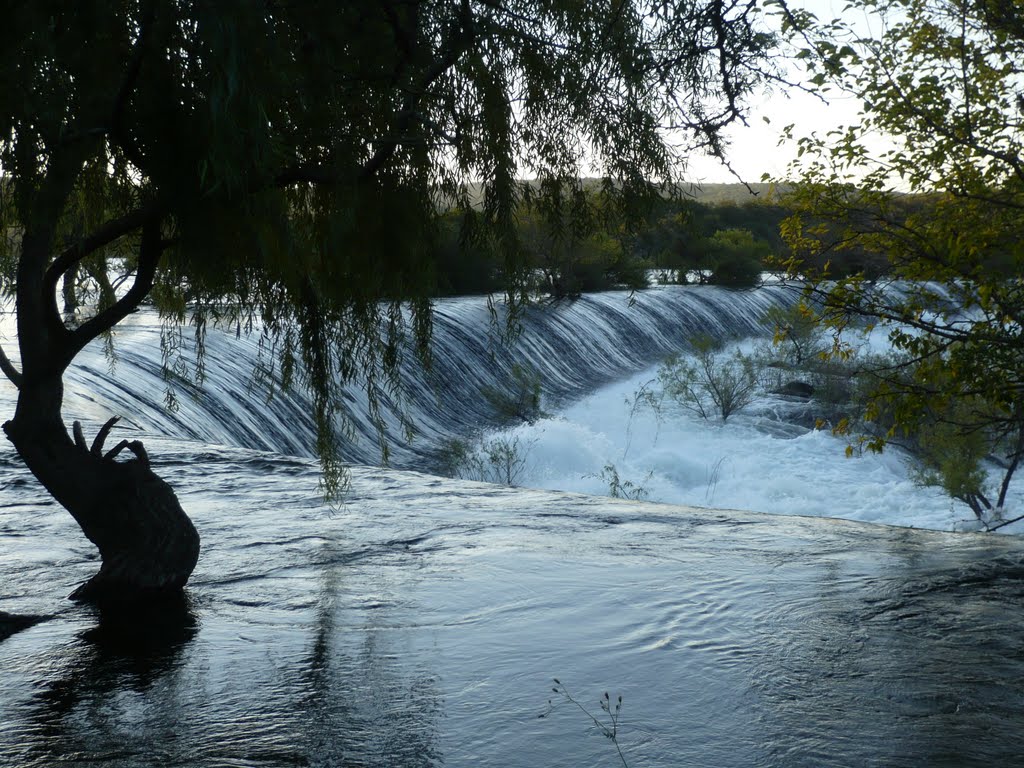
x: 280, y: 166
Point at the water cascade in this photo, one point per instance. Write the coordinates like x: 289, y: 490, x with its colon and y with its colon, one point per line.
x: 572, y: 346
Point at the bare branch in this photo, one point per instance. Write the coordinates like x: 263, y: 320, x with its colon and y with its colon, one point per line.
x: 101, y: 436
x: 135, y: 446
x: 1018, y: 452
x: 113, y: 452
x: 76, y: 429
x: 9, y: 370
x: 1005, y: 523
x: 149, y: 257
x: 108, y: 233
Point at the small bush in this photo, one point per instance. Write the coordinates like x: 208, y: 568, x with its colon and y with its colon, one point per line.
x: 736, y: 258
x: 520, y: 399
x: 712, y: 382
x: 798, y: 337
x: 624, y: 489
x: 502, y: 459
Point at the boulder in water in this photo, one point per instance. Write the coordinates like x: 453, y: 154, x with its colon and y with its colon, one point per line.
x: 800, y: 389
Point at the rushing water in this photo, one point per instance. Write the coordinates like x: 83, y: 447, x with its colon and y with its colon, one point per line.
x: 421, y: 623
x: 766, y: 458
x: 573, y: 346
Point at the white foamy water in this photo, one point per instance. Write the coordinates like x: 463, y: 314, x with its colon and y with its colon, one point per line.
x: 755, y: 461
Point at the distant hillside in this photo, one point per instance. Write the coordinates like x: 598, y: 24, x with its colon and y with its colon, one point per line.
x: 709, y: 194
x: 736, y: 194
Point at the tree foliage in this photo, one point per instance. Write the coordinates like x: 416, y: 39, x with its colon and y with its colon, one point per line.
x: 280, y: 166
x: 577, y: 249
x: 724, y: 244
x: 735, y: 258
x: 932, y: 181
x: 710, y: 382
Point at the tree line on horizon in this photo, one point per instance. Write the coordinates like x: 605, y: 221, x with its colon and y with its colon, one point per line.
x: 586, y: 247
x: 683, y: 241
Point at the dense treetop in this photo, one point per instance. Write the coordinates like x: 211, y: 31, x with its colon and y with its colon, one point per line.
x: 281, y: 164
x: 939, y: 209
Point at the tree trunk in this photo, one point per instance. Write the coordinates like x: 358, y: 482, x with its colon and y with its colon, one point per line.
x: 147, y: 543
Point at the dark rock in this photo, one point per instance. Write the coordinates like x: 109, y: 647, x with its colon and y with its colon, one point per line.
x: 9, y: 623
x: 799, y: 389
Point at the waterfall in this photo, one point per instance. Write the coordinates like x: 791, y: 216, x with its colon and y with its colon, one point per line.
x: 571, y: 346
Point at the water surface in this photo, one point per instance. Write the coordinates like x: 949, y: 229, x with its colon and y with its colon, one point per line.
x: 421, y: 624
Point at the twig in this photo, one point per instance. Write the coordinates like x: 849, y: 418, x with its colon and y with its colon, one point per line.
x: 76, y: 430
x: 101, y: 436
x: 135, y: 446
x: 612, y: 732
x: 1004, y: 523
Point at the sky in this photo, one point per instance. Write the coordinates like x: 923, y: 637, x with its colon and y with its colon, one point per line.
x: 754, y: 149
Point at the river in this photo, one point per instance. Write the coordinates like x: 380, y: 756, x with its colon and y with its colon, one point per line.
x: 422, y: 621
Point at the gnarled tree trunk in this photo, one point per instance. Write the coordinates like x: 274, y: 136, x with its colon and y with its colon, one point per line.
x: 147, y: 543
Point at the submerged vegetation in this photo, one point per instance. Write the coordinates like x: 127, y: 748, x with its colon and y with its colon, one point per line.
x: 708, y: 382
x: 794, y: 380
x: 501, y: 459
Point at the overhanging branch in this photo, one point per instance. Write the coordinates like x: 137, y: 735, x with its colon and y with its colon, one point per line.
x: 149, y: 257
x: 458, y: 43
x: 106, y: 234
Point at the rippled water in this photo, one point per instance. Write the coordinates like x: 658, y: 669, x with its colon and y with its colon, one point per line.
x: 421, y: 624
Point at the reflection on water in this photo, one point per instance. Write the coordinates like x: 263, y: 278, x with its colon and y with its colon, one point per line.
x: 421, y: 624
x: 927, y: 661
x: 360, y: 708
x: 119, y: 657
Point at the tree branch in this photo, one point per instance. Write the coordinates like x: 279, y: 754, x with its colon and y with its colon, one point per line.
x: 457, y: 44
x: 9, y: 370
x: 107, y: 233
x: 1015, y: 462
x: 149, y: 257
x: 76, y: 429
x: 135, y: 446
x: 313, y: 173
x: 1005, y: 523
x: 131, y: 75
x: 101, y: 436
